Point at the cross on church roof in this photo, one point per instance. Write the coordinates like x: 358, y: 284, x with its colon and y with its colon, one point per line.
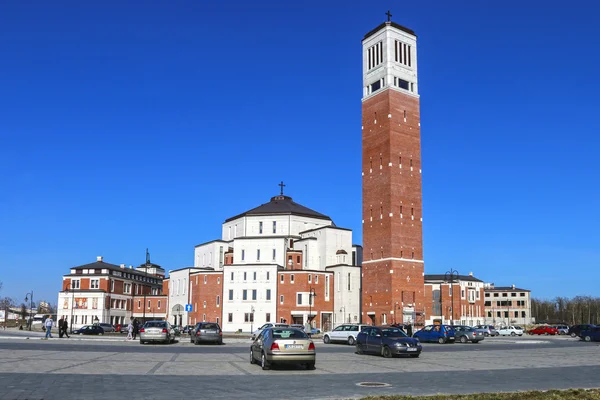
x: 281, y: 185
x: 389, y: 15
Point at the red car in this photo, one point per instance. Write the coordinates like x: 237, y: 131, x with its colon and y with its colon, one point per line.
x: 544, y: 330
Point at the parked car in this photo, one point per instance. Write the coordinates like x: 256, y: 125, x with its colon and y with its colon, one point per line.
x: 511, y: 331
x: 268, y: 325
x: 543, y: 330
x: 157, y: 331
x: 575, y: 330
x: 123, y: 328
x: 107, y: 327
x: 283, y: 346
x: 562, y: 329
x: 315, y: 331
x: 435, y: 333
x: 387, y: 342
x: 488, y: 330
x: 591, y: 335
x: 188, y: 329
x: 345, y: 333
x: 207, y: 332
x: 89, y: 330
x: 465, y: 334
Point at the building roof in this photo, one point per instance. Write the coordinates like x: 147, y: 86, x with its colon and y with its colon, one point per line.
x: 442, y: 277
x: 104, y: 265
x: 506, y: 289
x: 389, y: 23
x: 281, y: 205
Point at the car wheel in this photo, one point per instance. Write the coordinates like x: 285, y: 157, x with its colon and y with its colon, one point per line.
x: 415, y: 355
x: 573, y: 334
x: 441, y: 340
x: 142, y: 342
x: 310, y: 366
x: 196, y: 342
x: 326, y: 339
x: 587, y: 338
x: 252, y: 357
x: 351, y: 341
x: 386, y: 352
x: 486, y: 334
x: 359, y: 349
x: 463, y: 339
x: 513, y: 334
x: 101, y: 333
x: 263, y: 362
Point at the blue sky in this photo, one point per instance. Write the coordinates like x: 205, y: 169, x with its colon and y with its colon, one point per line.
x: 133, y: 125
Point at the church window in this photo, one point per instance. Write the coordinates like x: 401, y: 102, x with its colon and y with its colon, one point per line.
x: 412, y: 255
x: 268, y: 317
x: 260, y: 227
x: 316, y: 278
x: 274, y: 226
x: 243, y: 254
x: 380, y: 162
x: 375, y: 86
x: 292, y: 278
x: 230, y: 317
x: 274, y: 254
x: 401, y: 83
x: 268, y: 296
x: 218, y: 280
x: 309, y: 278
x: 404, y: 115
x: 412, y: 211
x: 244, y: 294
x: 380, y: 212
x: 253, y: 294
x: 281, y: 299
x: 268, y: 275
x: 281, y: 278
x: 232, y: 276
x: 298, y: 259
x: 205, y: 279
x: 254, y: 275
x: 230, y: 294
x: 245, y: 274
x: 159, y: 304
x: 258, y: 255
x: 349, y: 280
x: 203, y: 317
x: 204, y: 304
x: 375, y: 55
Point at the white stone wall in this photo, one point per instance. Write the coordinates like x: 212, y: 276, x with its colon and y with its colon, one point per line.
x: 346, y: 302
x: 179, y: 293
x: 211, y: 255
x: 238, y: 306
x: 266, y: 246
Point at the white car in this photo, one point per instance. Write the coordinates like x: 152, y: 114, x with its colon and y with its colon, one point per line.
x: 511, y: 331
x: 268, y: 325
x: 345, y: 333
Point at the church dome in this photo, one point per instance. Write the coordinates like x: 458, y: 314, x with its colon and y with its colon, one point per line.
x: 281, y: 205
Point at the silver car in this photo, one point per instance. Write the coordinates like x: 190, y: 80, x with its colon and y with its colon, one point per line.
x: 466, y: 334
x: 157, y: 331
x: 283, y: 346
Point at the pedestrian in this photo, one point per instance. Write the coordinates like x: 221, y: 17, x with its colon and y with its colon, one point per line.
x: 136, y: 328
x: 307, y: 328
x: 65, y: 327
x: 130, y: 330
x: 49, y: 323
x: 60, y: 327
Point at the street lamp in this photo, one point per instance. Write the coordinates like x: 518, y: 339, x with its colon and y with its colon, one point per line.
x: 72, y: 305
x: 451, y: 276
x: 251, y: 319
x: 29, y: 297
x: 311, y: 294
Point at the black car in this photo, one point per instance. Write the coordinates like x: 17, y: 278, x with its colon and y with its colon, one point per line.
x: 89, y: 330
x: 207, y: 332
x: 387, y: 341
x: 575, y: 330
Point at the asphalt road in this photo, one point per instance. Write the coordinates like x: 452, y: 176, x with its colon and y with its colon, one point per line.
x: 110, y: 367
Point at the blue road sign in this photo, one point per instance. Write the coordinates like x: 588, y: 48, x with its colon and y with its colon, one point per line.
x: 188, y: 307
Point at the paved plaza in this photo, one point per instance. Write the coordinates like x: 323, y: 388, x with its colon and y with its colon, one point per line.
x: 110, y: 366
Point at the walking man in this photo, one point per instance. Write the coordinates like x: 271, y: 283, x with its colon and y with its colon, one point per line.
x: 60, y: 327
x: 49, y: 323
x: 130, y: 330
x: 65, y: 328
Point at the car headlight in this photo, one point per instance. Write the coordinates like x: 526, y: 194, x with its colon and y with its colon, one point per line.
x: 399, y: 344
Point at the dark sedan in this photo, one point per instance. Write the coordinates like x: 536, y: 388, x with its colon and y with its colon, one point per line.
x: 387, y: 341
x: 591, y: 335
x: 89, y: 330
x: 465, y: 334
x: 575, y: 330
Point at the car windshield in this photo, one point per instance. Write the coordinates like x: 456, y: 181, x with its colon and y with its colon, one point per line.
x: 209, y: 326
x: 289, y: 334
x: 393, y: 332
x: 155, y: 324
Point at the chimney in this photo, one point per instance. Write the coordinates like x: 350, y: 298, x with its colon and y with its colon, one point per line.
x: 122, y: 265
x: 470, y: 274
x: 513, y: 286
x: 99, y: 259
x: 131, y: 267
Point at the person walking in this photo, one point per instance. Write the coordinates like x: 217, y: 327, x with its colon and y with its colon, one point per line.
x: 49, y: 323
x: 60, y: 327
x: 130, y: 331
x: 65, y: 326
x: 136, y: 328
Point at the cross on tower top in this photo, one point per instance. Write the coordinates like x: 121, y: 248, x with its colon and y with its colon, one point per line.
x: 389, y: 15
x: 281, y: 185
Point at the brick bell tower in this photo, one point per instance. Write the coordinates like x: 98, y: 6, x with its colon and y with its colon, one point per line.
x: 393, y: 268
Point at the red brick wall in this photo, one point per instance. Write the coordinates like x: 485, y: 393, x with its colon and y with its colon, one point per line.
x: 289, y: 291
x: 206, y: 292
x: 386, y: 189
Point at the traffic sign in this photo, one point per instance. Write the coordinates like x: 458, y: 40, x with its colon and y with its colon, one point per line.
x: 188, y: 307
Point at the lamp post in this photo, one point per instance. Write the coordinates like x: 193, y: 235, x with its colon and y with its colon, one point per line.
x: 29, y: 297
x: 311, y: 294
x: 251, y: 319
x: 72, y: 305
x: 451, y: 276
